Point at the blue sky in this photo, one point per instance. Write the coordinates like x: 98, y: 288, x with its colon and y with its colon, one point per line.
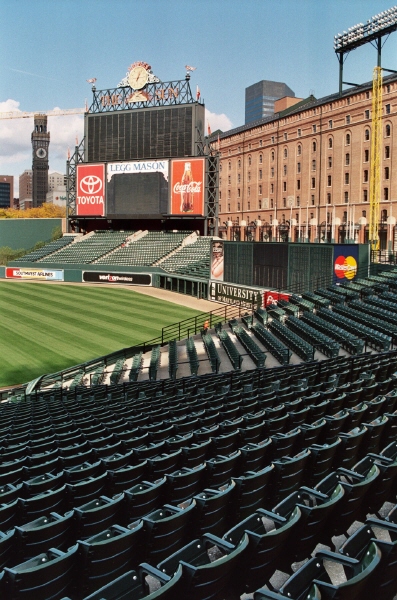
x: 48, y: 48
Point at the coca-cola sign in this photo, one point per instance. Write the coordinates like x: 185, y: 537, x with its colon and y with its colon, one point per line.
x: 187, y: 187
x: 90, y: 190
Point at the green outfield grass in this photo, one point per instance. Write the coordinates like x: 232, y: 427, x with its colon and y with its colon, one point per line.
x: 47, y: 328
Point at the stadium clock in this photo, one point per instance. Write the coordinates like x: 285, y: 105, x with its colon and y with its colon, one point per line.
x: 138, y: 77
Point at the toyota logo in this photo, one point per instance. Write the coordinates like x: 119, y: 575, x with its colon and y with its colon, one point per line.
x: 91, y: 184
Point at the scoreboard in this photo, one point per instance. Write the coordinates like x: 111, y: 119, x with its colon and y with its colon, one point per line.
x: 169, y: 131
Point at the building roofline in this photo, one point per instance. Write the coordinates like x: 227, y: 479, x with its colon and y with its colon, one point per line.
x: 310, y: 102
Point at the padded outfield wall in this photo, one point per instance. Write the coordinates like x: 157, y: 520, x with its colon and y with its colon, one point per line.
x: 25, y: 233
x: 294, y: 267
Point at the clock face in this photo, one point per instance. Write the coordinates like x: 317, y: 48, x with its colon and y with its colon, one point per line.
x: 138, y: 78
x: 41, y: 153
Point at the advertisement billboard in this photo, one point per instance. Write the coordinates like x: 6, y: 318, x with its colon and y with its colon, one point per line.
x: 187, y: 187
x: 273, y: 297
x: 137, y: 188
x: 345, y: 262
x: 227, y: 293
x: 217, y: 260
x: 90, y: 190
x: 120, y: 278
x: 43, y: 274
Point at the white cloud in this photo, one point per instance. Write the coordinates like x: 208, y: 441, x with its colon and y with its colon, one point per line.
x: 215, y: 121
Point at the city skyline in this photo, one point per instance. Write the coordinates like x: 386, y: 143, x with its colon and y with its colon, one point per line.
x: 49, y: 54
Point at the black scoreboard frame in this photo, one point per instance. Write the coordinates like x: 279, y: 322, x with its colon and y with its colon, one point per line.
x: 129, y: 134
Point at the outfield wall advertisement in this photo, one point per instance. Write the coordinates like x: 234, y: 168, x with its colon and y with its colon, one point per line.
x: 228, y: 293
x: 43, y: 274
x: 120, y: 278
x: 345, y: 262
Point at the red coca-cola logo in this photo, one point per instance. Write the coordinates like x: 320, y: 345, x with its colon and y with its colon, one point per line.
x: 194, y: 187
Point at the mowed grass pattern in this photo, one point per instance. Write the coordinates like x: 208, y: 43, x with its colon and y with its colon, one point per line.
x: 47, y: 328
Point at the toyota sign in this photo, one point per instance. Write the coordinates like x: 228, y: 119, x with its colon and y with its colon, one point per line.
x: 90, y: 193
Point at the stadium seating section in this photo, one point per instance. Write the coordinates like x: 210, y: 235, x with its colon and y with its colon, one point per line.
x: 276, y: 481
x: 182, y: 253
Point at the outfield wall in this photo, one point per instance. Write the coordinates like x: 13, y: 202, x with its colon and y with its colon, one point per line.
x: 25, y: 233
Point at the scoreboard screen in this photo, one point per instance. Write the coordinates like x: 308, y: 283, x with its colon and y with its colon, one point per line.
x: 137, y: 189
x: 143, y: 134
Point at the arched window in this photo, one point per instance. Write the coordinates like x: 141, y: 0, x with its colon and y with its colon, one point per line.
x: 299, y: 150
x: 348, y: 139
x: 249, y: 161
x: 285, y: 152
x: 272, y: 155
x: 387, y: 130
x: 366, y: 135
x: 239, y: 163
x: 230, y: 165
x: 260, y: 159
x: 330, y: 142
x: 314, y: 146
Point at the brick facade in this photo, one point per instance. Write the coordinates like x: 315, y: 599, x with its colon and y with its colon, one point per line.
x: 309, y: 163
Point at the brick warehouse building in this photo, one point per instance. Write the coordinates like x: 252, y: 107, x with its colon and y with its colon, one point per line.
x: 304, y: 174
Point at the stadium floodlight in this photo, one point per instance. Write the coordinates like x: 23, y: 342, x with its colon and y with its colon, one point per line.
x: 377, y: 26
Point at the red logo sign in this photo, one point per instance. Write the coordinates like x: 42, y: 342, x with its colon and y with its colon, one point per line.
x: 90, y: 190
x: 187, y: 186
x: 272, y: 297
x: 345, y: 266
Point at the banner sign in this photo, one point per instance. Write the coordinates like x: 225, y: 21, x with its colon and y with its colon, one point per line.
x: 123, y: 278
x: 187, y: 187
x: 43, y: 274
x: 228, y: 293
x: 272, y: 297
x: 217, y: 260
x: 90, y: 190
x: 138, y: 166
x: 345, y: 262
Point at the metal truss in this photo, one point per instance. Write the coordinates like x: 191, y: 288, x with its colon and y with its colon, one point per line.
x: 168, y: 93
x: 71, y: 171
x: 212, y: 205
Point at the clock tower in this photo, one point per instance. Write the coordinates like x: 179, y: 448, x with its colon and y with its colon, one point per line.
x: 40, y: 143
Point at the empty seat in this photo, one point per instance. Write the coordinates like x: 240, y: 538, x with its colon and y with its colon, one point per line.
x: 41, y: 504
x: 254, y: 490
x: 133, y: 586
x: 268, y: 535
x: 108, y: 554
x: 86, y: 490
x: 185, y: 483
x: 53, y: 531
x: 357, y: 483
x: 220, y: 469
x: 124, y: 478
x: 7, y: 549
x: 49, y: 575
x: 202, y: 578
x: 384, y: 535
x: 213, y: 509
x: 97, y: 515
x: 143, y: 498
x: 167, y: 529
